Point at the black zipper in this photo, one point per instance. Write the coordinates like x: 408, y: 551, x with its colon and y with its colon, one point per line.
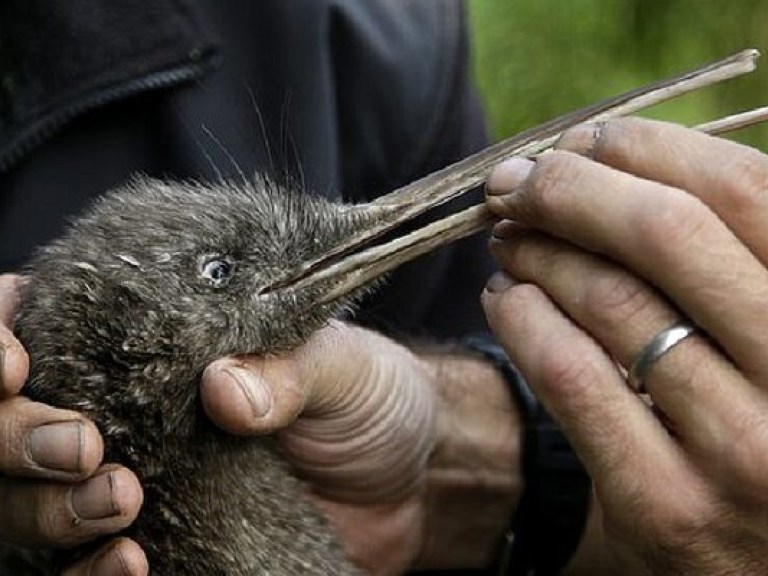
x: 38, y: 131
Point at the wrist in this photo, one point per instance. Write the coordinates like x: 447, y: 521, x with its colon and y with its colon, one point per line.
x: 473, y: 477
x: 593, y: 556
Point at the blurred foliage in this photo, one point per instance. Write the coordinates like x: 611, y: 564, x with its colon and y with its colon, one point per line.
x: 537, y: 59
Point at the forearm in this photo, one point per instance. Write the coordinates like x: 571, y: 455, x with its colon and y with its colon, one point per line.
x: 474, y: 479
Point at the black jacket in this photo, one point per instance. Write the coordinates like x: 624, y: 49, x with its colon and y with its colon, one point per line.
x: 352, y: 98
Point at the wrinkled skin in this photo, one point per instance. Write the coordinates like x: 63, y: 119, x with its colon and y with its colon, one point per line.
x: 625, y: 229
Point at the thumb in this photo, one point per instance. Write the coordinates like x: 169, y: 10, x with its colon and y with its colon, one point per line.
x: 252, y: 395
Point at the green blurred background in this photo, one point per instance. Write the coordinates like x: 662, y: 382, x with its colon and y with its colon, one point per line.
x: 536, y: 59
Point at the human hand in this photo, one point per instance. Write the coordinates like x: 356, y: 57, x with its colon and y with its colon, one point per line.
x: 646, y: 224
x: 354, y: 413
x: 53, y: 488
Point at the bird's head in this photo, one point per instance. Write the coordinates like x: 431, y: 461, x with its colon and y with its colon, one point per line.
x: 124, y: 311
x: 158, y: 279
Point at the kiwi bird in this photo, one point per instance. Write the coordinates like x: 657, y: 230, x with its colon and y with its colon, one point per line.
x: 124, y: 312
x: 121, y: 317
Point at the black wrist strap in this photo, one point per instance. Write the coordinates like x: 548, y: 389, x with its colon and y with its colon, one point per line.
x: 552, y: 511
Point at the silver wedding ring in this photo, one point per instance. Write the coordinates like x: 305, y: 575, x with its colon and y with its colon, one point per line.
x: 662, y: 343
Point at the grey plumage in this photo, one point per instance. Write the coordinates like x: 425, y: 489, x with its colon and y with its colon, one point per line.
x: 122, y: 315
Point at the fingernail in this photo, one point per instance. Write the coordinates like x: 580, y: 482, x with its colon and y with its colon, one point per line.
x: 111, y: 563
x: 508, y: 176
x: 499, y: 282
x: 506, y: 230
x: 94, y: 499
x: 582, y: 139
x: 57, y: 446
x: 253, y: 389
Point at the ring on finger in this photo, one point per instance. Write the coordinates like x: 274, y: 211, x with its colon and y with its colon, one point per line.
x: 659, y: 345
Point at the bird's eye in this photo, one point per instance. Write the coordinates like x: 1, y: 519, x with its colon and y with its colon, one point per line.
x: 217, y: 270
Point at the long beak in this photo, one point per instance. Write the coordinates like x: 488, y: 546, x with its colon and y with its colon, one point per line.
x: 351, y: 265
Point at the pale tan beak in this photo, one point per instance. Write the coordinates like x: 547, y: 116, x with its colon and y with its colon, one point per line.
x: 351, y: 265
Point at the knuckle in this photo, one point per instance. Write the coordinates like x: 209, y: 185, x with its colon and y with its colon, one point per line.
x: 514, y: 311
x: 539, y: 260
x: 37, y: 514
x: 678, y: 522
x: 547, y: 183
x: 53, y: 518
x: 673, y: 225
x: 515, y: 302
x: 746, y: 453
x: 744, y: 182
x: 614, y: 133
x: 617, y: 297
x: 570, y: 367
x: 747, y: 180
x: 51, y: 524
x: 13, y: 457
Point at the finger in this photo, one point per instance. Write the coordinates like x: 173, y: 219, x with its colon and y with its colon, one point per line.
x: 14, y: 362
x: 622, y: 445
x: 729, y: 177
x: 252, y: 395
x: 38, y: 441
x: 696, y: 388
x: 654, y: 230
x: 122, y: 557
x: 33, y: 513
